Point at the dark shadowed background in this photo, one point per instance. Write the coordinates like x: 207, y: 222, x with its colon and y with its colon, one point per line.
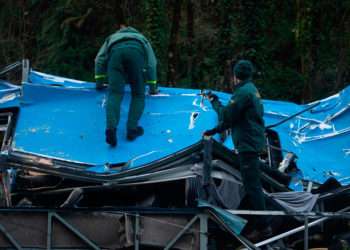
x: 301, y: 48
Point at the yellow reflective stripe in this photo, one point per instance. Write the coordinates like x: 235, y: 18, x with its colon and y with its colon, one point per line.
x: 152, y: 82
x: 100, y: 76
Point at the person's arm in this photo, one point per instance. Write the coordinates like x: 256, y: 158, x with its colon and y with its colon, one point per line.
x: 236, y: 106
x: 219, y: 109
x: 101, y: 66
x: 151, y: 68
x: 229, y: 113
x: 217, y: 105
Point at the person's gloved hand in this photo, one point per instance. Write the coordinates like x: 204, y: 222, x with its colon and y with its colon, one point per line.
x: 101, y: 83
x: 210, y: 132
x: 153, y: 87
x: 211, y: 97
x: 100, y: 87
x: 154, y: 91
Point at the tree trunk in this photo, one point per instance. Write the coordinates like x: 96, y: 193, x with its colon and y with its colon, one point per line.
x: 155, y: 33
x: 343, y: 54
x: 303, y: 38
x: 225, y: 44
x: 190, y: 38
x: 173, y: 43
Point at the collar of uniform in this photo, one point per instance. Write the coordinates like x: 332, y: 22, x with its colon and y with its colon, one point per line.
x: 242, y: 83
x: 128, y: 29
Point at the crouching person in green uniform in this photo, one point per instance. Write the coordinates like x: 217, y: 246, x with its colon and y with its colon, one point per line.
x: 244, y: 116
x: 125, y: 57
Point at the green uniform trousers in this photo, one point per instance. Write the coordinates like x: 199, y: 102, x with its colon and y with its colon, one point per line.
x: 125, y: 65
x: 251, y: 175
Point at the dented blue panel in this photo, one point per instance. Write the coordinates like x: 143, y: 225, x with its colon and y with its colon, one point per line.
x: 69, y: 123
x: 320, y: 138
x: 64, y: 118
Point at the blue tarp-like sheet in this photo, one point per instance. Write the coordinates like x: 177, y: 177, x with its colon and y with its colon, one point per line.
x: 233, y: 222
x: 65, y: 119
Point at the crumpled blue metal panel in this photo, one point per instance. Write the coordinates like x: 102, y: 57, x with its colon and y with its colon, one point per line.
x: 319, y: 137
x: 69, y: 123
x: 65, y: 118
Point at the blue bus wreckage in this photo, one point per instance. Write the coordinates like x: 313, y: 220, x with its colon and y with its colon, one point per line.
x: 169, y: 189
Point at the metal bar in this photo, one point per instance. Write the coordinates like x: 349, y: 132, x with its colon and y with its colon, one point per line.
x: 9, y: 129
x: 269, y: 151
x: 207, y: 160
x: 76, y: 232
x: 25, y: 70
x: 321, y: 204
x: 306, y: 233
x: 279, y: 149
x: 309, y: 186
x: 203, y: 219
x: 9, y: 237
x: 295, y: 230
x: 10, y: 67
x: 288, y: 233
x: 6, y: 186
x: 328, y: 119
x: 118, y: 210
x: 294, y: 115
x: 248, y: 245
x: 282, y: 213
x: 178, y: 236
x: 49, y: 231
x: 137, y: 232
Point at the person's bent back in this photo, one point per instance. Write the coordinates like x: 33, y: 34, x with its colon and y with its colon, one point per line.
x: 125, y: 57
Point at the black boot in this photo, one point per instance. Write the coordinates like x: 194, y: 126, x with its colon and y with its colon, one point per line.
x: 111, y: 137
x: 132, y: 134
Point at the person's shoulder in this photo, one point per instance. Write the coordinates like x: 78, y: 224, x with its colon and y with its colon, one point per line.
x: 249, y: 87
x: 250, y: 84
x: 247, y: 90
x: 252, y: 91
x: 244, y: 88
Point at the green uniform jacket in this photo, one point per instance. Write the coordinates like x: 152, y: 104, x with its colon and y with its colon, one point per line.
x: 244, y: 115
x: 121, y: 35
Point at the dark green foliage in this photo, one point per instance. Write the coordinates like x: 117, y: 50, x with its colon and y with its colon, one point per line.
x: 156, y: 30
x: 300, y: 48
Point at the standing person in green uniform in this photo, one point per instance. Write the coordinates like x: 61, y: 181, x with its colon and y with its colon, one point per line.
x: 244, y: 116
x: 125, y: 57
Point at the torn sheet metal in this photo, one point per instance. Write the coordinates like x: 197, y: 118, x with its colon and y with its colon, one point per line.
x: 69, y: 123
x: 66, y: 120
x: 319, y: 137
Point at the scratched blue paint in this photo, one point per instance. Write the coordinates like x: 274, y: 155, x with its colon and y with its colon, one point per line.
x: 64, y: 118
x: 69, y: 123
x: 323, y: 145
